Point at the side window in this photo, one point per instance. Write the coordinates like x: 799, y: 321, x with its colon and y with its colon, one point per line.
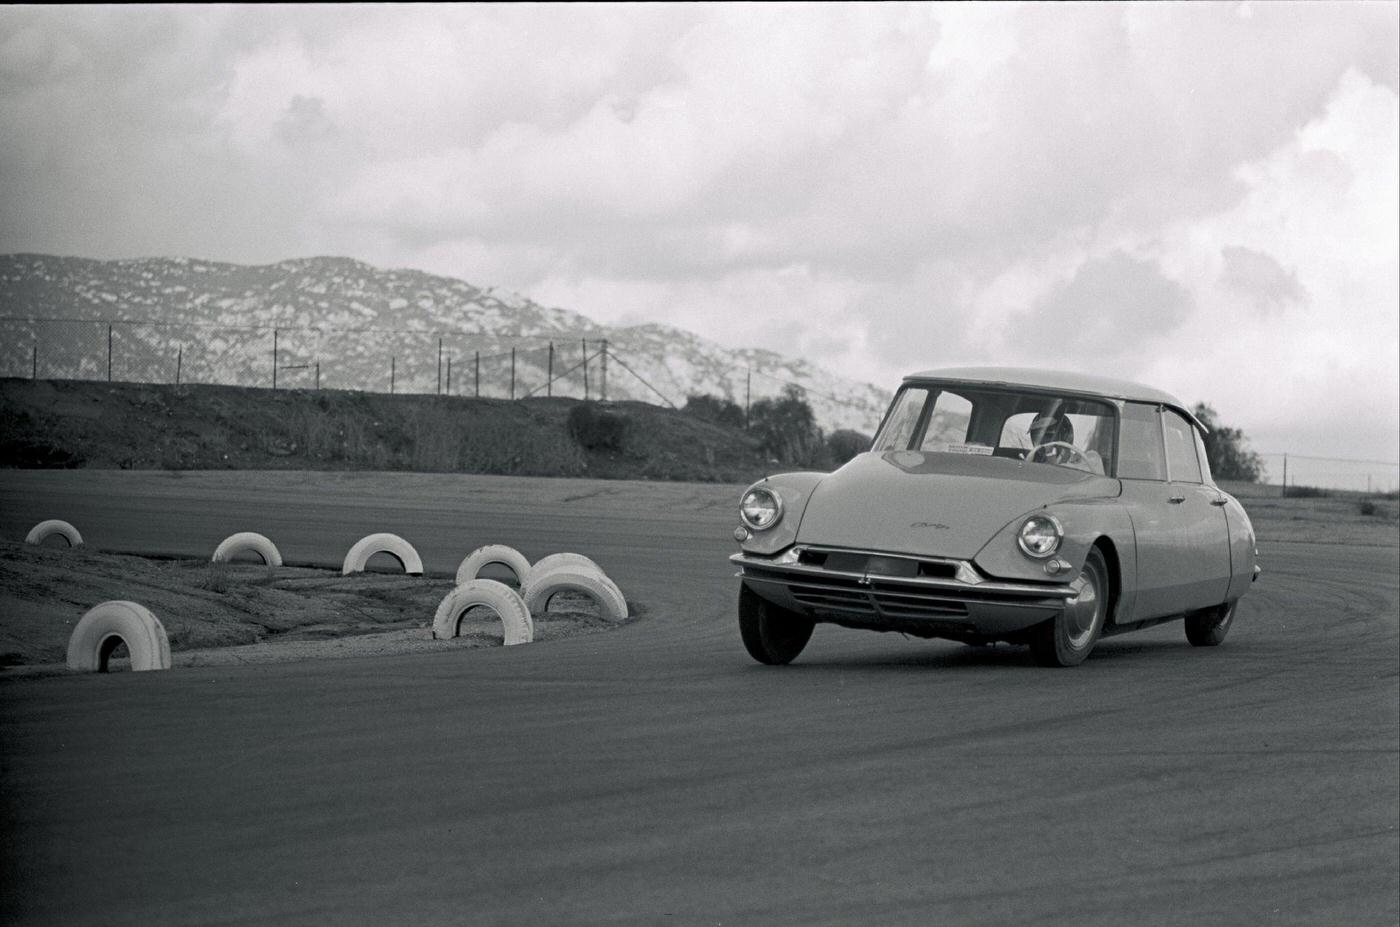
x: 1202, y: 456
x: 1140, y: 455
x: 947, y: 424
x: 1181, y: 449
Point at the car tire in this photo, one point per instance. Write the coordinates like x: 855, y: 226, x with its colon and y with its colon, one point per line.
x: 1208, y: 628
x: 771, y: 634
x: 1069, y: 637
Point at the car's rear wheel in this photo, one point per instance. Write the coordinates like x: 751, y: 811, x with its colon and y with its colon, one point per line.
x: 1208, y: 628
x: 1069, y: 637
x: 771, y: 634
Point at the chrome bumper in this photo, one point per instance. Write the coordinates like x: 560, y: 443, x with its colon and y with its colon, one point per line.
x: 966, y: 606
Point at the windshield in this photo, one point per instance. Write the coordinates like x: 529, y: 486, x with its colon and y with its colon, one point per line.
x: 1062, y: 431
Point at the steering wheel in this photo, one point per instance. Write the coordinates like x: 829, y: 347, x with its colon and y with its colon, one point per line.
x: 1055, y: 445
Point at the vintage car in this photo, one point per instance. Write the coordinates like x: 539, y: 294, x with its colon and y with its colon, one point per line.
x: 1000, y: 504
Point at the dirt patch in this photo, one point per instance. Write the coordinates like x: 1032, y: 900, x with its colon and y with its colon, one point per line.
x: 241, y: 612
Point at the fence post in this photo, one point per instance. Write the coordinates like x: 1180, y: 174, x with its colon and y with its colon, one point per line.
x: 748, y: 383
x: 585, y: 369
x: 512, y: 373
x: 439, y: 380
x: 549, y: 383
x: 109, y: 352
x: 603, y: 382
x: 392, y: 361
x: 478, y: 374
x: 274, y: 358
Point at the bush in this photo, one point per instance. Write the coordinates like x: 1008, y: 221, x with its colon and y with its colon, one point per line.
x: 843, y: 444
x: 1304, y: 492
x: 597, y: 431
x: 787, y: 428
x: 1227, y: 449
x: 714, y: 409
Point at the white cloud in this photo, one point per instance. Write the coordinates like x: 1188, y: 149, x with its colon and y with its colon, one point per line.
x: 883, y: 187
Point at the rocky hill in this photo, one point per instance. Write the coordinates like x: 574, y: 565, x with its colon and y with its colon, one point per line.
x: 342, y: 324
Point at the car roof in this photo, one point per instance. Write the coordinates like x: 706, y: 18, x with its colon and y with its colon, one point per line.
x: 1059, y: 381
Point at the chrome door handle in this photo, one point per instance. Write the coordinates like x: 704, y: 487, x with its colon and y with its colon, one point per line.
x: 1177, y: 500
x: 1220, y: 502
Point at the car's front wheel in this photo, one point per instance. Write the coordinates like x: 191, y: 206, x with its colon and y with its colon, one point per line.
x: 1208, y: 628
x: 1068, y: 638
x: 771, y: 634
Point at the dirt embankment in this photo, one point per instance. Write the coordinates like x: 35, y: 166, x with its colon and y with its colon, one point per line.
x: 243, y: 612
x: 78, y: 423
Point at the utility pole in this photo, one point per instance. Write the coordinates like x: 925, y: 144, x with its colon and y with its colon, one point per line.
x: 439, y: 375
x: 109, y: 352
x: 179, y: 362
x: 585, y: 369
x: 549, y: 384
x: 318, y: 376
x: 512, y: 373
x: 274, y: 358
x: 1285, y: 475
x: 478, y: 374
x: 449, y: 376
x: 392, y: 363
x: 34, y: 371
x: 748, y: 384
x: 603, y: 383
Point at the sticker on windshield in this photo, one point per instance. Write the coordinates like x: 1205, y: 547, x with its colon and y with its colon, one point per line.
x: 962, y: 449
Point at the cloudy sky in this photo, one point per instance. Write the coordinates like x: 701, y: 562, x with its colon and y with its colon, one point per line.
x: 1199, y: 196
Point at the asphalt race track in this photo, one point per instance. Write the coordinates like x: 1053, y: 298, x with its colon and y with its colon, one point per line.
x: 656, y: 775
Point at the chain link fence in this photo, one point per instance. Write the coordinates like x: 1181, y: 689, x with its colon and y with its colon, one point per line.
x: 386, y: 361
x: 425, y: 362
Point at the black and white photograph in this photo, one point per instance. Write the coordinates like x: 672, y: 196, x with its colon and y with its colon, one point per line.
x: 720, y: 463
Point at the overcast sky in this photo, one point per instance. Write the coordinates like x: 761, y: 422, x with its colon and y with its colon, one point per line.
x: 1199, y: 196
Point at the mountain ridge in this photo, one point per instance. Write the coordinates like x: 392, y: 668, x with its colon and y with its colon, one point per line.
x: 349, y: 324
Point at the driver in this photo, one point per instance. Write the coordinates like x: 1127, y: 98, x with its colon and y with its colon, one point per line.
x: 1048, y: 427
x: 1054, y: 429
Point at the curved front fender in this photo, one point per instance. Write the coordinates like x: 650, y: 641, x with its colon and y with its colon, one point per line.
x: 1084, y: 523
x: 795, y: 489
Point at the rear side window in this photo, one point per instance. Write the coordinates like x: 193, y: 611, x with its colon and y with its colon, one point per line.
x: 1181, y: 449
x: 1140, y: 453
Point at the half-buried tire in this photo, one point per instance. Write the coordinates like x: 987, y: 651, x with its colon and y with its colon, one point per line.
x: 498, y: 597
x: 105, y: 626
x: 384, y: 543
x: 578, y: 579
x: 493, y: 553
x: 248, y: 540
x: 553, y: 562
x: 47, y: 529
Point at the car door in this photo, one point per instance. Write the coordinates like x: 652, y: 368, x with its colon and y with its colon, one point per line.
x: 1183, y: 548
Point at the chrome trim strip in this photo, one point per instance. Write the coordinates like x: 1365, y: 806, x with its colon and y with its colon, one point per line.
x: 1018, y: 589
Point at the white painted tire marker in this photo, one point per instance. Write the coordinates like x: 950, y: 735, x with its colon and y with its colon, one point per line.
x: 104, y: 626
x: 392, y: 544
x: 500, y: 598
x: 248, y: 540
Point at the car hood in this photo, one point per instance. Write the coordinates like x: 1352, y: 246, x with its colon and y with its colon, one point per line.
x: 935, y: 504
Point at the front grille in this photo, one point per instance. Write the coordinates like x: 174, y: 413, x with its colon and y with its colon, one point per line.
x: 857, y: 562
x: 873, y: 600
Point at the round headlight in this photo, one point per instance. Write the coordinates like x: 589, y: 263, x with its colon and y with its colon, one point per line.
x: 1040, y: 536
x: 760, y: 509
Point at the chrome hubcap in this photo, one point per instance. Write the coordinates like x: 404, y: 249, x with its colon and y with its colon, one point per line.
x: 1082, y: 611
